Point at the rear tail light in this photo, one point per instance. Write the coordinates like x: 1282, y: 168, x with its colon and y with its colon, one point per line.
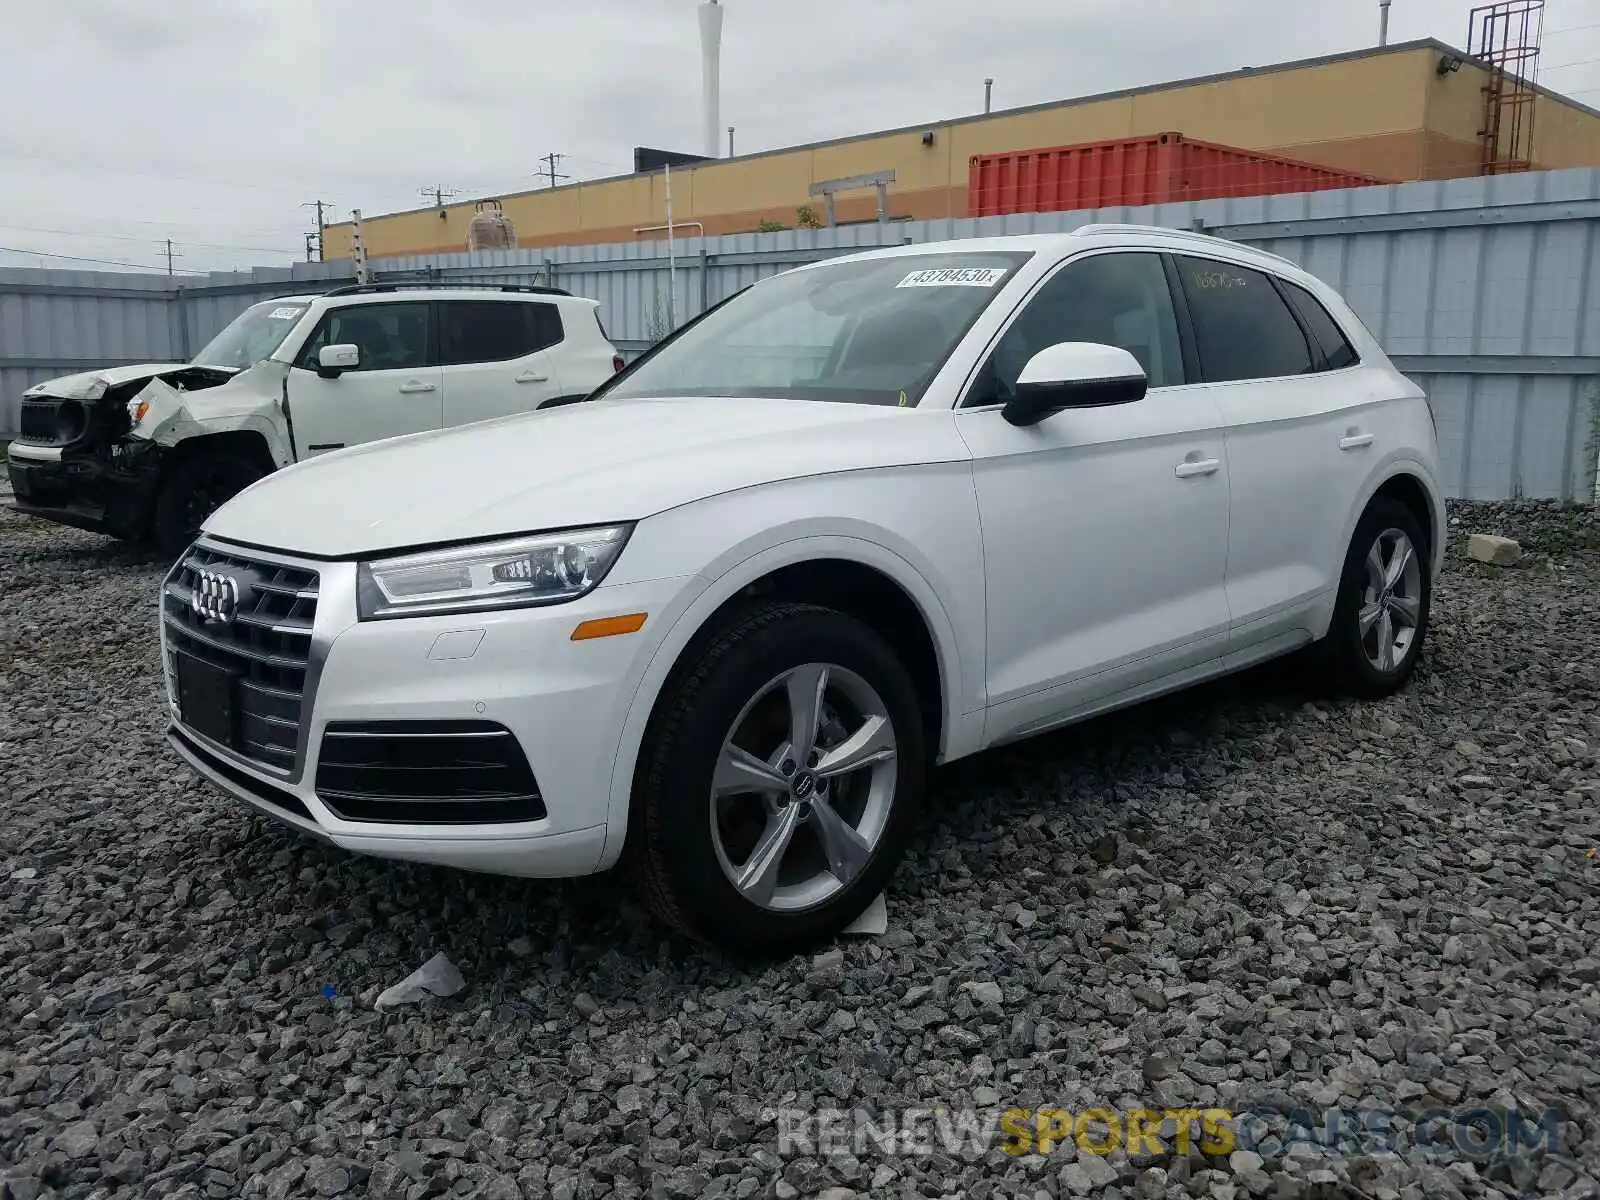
x: 616, y: 363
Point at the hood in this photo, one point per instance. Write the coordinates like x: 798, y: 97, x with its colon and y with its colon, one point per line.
x: 583, y: 464
x: 91, y: 385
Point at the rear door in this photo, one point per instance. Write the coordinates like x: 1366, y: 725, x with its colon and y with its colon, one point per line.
x: 1302, y: 426
x: 396, y: 389
x: 499, y: 357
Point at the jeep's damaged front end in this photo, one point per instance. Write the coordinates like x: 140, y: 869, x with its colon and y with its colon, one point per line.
x: 76, y: 460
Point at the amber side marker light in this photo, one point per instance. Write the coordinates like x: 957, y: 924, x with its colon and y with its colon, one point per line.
x: 603, y: 627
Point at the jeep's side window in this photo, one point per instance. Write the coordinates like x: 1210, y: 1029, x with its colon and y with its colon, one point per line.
x: 1118, y: 299
x: 481, y: 331
x: 1337, y: 352
x: 1243, y: 328
x: 392, y: 337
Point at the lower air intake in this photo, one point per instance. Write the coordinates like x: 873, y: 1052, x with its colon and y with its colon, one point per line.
x: 426, y: 773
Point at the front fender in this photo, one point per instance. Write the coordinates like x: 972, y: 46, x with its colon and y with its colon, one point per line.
x: 247, y: 403
x: 962, y: 730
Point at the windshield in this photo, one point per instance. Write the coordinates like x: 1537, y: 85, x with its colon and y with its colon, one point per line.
x: 253, y: 335
x: 874, y: 331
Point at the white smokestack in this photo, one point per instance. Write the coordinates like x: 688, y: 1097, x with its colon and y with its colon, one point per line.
x: 711, y: 74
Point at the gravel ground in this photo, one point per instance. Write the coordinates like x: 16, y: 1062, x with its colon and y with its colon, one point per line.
x: 1235, y: 898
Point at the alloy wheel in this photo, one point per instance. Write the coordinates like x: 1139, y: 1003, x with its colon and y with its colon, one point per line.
x: 803, y: 788
x: 1391, y: 601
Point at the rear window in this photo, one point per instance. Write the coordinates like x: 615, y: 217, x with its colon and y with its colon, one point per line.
x: 1337, y: 352
x: 476, y: 331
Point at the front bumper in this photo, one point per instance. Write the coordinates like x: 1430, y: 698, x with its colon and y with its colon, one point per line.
x: 86, y: 491
x: 564, y: 702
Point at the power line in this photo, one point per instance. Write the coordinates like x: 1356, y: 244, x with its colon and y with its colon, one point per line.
x: 128, y: 237
x: 551, y: 161
x: 1582, y: 62
x: 104, y: 262
x: 439, y: 194
x: 121, y: 220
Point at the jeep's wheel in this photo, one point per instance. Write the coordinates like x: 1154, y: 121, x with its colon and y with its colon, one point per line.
x: 195, y: 489
x: 779, y: 781
x: 1381, y: 617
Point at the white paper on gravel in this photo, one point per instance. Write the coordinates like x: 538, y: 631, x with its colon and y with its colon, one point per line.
x: 874, y: 922
x: 436, y: 977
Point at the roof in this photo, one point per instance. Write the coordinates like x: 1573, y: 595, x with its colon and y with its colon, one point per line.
x: 1301, y: 64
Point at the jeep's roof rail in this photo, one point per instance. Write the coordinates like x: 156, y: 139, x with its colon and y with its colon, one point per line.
x: 435, y: 285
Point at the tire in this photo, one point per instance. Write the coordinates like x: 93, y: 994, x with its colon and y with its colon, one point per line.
x: 191, y: 492
x: 1348, y: 656
x: 686, y: 847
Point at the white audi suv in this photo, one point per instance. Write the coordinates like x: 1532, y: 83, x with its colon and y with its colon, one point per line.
x: 716, y: 622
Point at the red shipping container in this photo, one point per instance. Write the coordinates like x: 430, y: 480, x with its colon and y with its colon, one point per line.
x: 1158, y: 169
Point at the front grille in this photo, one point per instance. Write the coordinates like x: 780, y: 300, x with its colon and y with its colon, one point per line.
x: 264, y: 647
x: 426, y: 773
x: 51, y: 422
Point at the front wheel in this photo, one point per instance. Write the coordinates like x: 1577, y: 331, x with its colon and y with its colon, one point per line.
x: 192, y: 491
x: 1380, y: 619
x: 779, y: 782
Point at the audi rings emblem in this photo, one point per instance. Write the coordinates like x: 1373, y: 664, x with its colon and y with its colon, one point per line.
x: 215, y: 596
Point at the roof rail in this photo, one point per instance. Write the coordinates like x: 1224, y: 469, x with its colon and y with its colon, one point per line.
x: 359, y: 289
x: 1128, y: 227
x: 1193, y: 235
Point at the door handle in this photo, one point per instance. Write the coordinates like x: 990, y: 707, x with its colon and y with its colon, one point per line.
x: 530, y: 377
x: 416, y: 385
x: 1354, y: 441
x: 1197, y: 466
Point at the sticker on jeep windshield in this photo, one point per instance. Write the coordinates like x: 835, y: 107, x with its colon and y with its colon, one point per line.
x: 285, y: 314
x: 984, y: 277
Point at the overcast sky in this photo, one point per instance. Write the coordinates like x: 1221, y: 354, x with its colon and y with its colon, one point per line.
x: 212, y: 121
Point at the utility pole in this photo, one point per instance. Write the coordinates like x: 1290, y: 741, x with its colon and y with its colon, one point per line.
x: 358, y: 248
x: 551, y: 161
x: 171, y: 256
x: 316, y: 238
x: 439, y: 195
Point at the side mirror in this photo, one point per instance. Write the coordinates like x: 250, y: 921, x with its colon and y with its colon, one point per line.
x: 334, y: 361
x: 1075, y: 375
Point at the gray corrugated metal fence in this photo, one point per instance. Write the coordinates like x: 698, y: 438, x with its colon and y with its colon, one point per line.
x: 1484, y: 290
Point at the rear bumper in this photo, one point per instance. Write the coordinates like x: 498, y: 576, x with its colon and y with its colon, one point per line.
x: 85, y: 491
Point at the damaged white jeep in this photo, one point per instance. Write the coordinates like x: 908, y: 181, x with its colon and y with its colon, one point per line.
x: 148, y: 452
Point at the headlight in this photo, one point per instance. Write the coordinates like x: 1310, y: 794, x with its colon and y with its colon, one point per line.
x: 545, y: 569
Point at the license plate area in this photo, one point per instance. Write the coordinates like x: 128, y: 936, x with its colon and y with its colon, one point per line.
x: 206, y: 699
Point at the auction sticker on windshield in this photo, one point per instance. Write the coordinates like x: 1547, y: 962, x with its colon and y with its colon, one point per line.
x: 984, y: 277
x: 284, y: 314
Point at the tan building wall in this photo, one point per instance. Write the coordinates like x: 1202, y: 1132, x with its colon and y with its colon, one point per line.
x: 1388, y: 114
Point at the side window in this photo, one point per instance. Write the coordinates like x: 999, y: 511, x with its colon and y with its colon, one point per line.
x: 392, y: 337
x: 482, y: 331
x: 1337, y: 352
x: 1242, y: 326
x: 1119, y: 299
x: 545, y: 322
